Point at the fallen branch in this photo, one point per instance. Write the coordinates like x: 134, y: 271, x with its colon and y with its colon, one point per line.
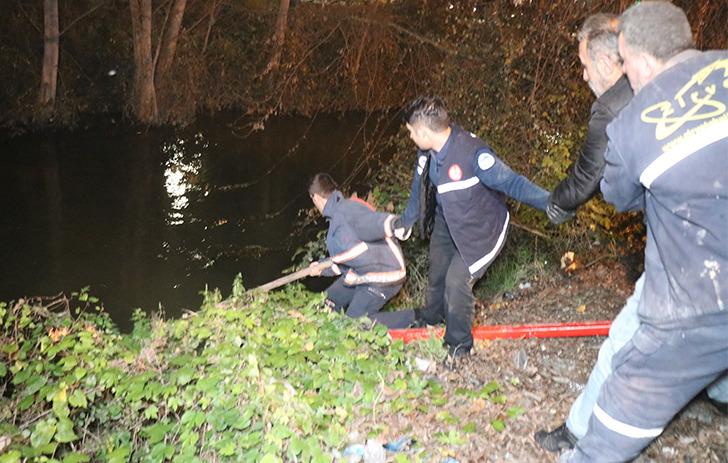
x: 531, y: 230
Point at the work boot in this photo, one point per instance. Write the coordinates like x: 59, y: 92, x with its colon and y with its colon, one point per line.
x: 557, y: 440
x: 458, y: 351
x: 455, y: 356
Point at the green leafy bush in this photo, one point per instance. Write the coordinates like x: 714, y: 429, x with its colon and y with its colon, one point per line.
x: 259, y: 377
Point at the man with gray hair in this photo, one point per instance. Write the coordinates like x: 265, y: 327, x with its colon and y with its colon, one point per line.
x: 602, y: 70
x: 668, y: 156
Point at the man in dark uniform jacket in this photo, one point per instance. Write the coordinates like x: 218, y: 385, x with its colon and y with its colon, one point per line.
x: 667, y: 156
x: 456, y: 194
x: 366, y: 256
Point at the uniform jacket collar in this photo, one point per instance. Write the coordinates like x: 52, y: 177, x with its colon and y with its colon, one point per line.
x: 332, y: 203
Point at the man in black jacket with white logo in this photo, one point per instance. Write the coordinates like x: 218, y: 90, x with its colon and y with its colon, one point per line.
x: 456, y: 194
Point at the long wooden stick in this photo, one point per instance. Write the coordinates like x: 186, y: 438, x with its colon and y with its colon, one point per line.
x: 284, y: 280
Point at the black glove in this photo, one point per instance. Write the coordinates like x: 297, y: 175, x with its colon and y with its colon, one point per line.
x: 558, y: 215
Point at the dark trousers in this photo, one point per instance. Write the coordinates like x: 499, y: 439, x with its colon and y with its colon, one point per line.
x: 367, y: 300
x: 653, y: 377
x: 450, y: 289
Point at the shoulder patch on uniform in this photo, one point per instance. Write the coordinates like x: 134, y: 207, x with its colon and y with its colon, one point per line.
x: 421, y: 161
x: 485, y: 160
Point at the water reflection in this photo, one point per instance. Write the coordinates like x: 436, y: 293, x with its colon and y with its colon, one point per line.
x: 147, y: 219
x: 181, y: 174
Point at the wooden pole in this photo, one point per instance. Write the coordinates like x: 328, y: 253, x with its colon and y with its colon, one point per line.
x: 291, y: 277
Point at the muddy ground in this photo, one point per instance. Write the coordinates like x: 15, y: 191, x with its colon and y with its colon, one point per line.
x: 542, y: 377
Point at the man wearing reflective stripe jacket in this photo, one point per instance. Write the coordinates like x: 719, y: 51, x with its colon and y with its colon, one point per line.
x: 456, y: 194
x: 366, y: 256
x: 668, y: 156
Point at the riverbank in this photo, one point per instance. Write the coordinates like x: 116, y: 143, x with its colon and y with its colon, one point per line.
x: 275, y: 378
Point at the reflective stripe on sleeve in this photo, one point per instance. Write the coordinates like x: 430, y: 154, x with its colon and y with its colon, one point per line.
x: 388, y: 226
x: 352, y: 253
x: 623, y: 428
x: 459, y: 185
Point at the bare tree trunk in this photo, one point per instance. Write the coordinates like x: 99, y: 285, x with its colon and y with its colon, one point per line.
x: 168, y: 45
x: 145, y: 98
x: 51, y: 34
x: 280, y: 35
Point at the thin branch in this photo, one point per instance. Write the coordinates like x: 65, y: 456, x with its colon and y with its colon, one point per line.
x: 530, y: 230
x: 418, y: 37
x: 27, y: 16
x: 161, y: 35
x: 606, y: 256
x: 210, y: 23
x: 99, y: 5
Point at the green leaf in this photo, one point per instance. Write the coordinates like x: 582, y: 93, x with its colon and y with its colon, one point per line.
x: 498, y: 425
x: 34, y: 384
x: 10, y: 348
x: 451, y: 438
x: 513, y: 412
x: 3, y: 370
x: 65, y: 432
x: 12, y: 456
x: 43, y: 433
x: 401, y: 458
x: 470, y: 427
x: 156, y: 432
x: 151, y: 413
x: 489, y: 388
x: 269, y: 458
x: 120, y: 455
x: 226, y: 447
x: 79, y: 373
x: 77, y: 399
x: 26, y: 403
x: 185, y: 375
x: 60, y: 403
x: 76, y: 457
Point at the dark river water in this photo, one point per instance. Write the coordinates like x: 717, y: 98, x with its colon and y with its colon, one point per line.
x: 149, y: 218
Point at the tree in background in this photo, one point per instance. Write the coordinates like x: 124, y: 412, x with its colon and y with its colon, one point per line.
x: 150, y: 70
x: 279, y: 37
x: 49, y: 74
